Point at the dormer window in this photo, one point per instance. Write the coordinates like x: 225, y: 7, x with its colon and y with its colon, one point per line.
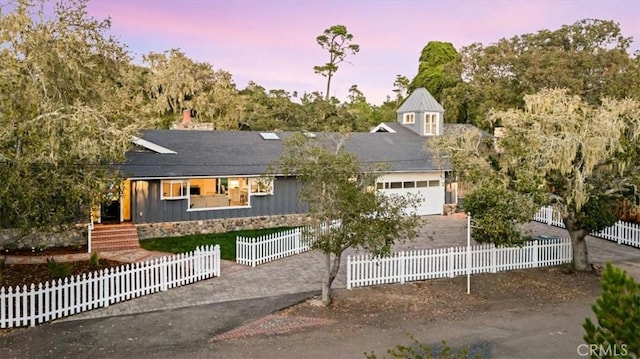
x: 430, y: 124
x: 409, y: 118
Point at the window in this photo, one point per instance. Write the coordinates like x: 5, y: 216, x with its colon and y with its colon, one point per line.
x: 434, y: 183
x: 430, y: 123
x: 380, y: 185
x: 409, y: 118
x: 261, y: 186
x: 218, y: 193
x: 174, y: 189
x: 396, y: 184
x: 409, y: 184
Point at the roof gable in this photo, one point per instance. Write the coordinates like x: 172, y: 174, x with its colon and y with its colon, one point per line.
x: 420, y: 100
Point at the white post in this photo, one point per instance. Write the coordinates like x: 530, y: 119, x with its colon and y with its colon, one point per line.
x: 401, y: 268
x: 468, y: 253
x: 349, y: 275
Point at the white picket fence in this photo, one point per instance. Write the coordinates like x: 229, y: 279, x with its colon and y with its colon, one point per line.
x: 35, y: 304
x: 253, y: 251
x: 257, y: 250
x: 365, y: 270
x: 621, y: 232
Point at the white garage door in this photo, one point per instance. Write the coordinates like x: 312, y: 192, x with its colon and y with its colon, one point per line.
x: 431, y: 192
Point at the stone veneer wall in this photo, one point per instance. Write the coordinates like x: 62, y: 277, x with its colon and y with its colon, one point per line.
x: 36, y: 241
x: 175, y: 229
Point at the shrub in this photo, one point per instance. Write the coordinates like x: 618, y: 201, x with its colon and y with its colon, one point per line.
x: 617, y: 312
x: 421, y: 351
x: 58, y: 270
x: 94, y: 260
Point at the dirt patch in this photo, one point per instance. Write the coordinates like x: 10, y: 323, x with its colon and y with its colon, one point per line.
x: 446, y: 299
x: 47, y: 252
x: 502, y: 309
x: 12, y: 275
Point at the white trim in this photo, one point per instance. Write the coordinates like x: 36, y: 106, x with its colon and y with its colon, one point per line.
x: 216, y: 208
x: 384, y: 127
x: 434, y: 130
x: 152, y: 146
x: 184, y: 190
x: 405, y: 116
x: 187, y: 177
x: 269, y: 191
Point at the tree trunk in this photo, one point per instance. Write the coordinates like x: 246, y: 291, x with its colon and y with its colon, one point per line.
x: 331, y: 271
x: 578, y: 244
x: 327, y: 96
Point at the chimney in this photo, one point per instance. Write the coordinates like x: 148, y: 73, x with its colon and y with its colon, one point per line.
x: 186, y: 117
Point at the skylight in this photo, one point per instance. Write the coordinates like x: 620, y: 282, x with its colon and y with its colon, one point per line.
x: 269, y: 136
x: 151, y: 146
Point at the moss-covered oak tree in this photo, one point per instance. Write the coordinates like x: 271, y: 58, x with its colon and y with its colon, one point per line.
x: 558, y: 150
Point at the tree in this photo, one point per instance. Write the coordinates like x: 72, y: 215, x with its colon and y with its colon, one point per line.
x: 617, y: 312
x: 589, y: 58
x: 337, y: 41
x: 176, y: 83
x: 270, y: 110
x: 432, y: 74
x: 401, y: 88
x: 337, y: 186
x: 559, y: 150
x: 66, y: 113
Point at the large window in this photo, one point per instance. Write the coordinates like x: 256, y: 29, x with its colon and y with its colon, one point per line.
x: 430, y: 123
x: 174, y: 189
x: 208, y: 193
x: 261, y: 186
x: 211, y: 193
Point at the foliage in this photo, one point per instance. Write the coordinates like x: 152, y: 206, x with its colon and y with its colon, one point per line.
x: 588, y: 58
x: 94, y: 260
x: 421, y: 351
x: 57, y: 269
x: 176, y: 83
x: 435, y: 60
x: 66, y: 112
x: 557, y: 150
x: 184, y: 244
x: 337, y: 40
x: 617, y: 311
x: 496, y: 214
x: 337, y: 186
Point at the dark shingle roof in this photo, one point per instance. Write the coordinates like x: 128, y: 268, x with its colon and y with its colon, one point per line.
x: 420, y: 100
x: 226, y: 153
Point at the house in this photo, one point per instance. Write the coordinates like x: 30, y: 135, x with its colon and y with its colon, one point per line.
x: 208, y: 177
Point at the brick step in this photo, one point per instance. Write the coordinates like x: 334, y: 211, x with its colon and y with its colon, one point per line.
x: 105, y: 248
x: 114, y: 229
x: 113, y: 244
x: 113, y: 225
x: 112, y: 237
x: 98, y: 236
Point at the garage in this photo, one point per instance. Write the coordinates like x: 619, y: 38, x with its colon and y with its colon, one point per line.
x: 428, y: 186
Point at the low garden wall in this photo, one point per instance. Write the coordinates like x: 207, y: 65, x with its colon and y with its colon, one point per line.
x: 219, y: 225
x: 11, y: 238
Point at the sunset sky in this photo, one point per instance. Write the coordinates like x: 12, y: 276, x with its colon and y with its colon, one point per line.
x: 273, y: 42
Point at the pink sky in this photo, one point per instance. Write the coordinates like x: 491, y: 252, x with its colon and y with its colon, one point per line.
x: 273, y: 42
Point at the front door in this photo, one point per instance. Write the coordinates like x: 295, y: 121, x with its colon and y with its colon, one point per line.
x: 110, y: 211
x: 110, y: 205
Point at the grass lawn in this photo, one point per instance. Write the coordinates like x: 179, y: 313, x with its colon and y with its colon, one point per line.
x: 227, y: 241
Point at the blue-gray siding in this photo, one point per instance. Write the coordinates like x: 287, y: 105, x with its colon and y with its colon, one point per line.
x: 147, y: 207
